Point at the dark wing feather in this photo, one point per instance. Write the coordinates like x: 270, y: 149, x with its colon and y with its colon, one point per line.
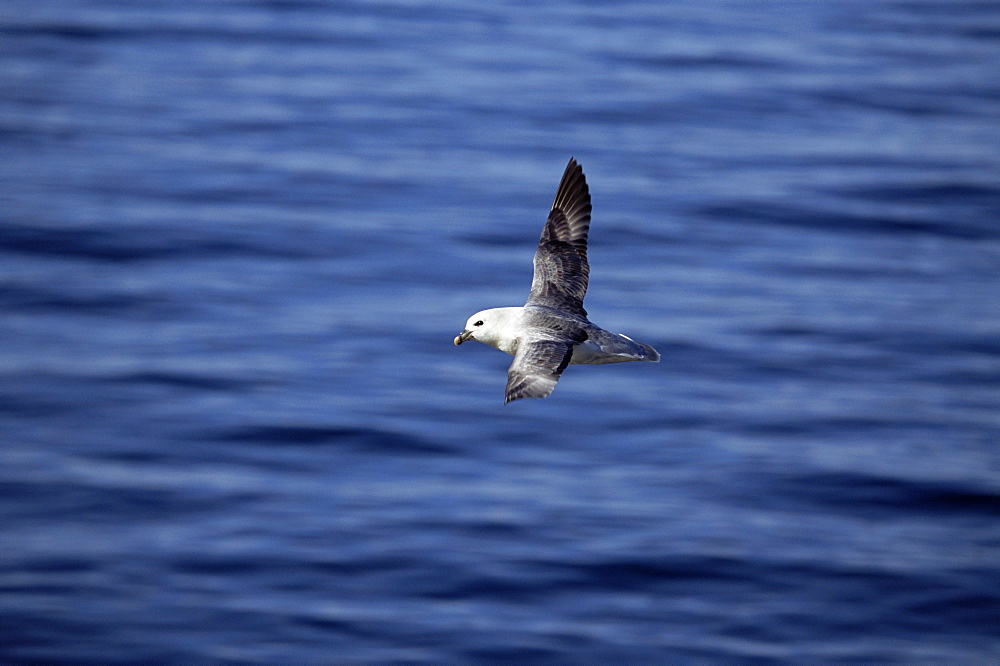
x: 536, y: 368
x: 561, y: 268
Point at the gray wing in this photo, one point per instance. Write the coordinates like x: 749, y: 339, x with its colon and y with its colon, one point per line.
x: 561, y: 268
x: 536, y: 368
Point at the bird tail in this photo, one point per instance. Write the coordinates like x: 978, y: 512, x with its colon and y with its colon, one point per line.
x: 648, y: 353
x: 641, y: 351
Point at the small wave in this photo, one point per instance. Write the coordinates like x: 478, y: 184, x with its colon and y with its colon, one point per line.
x: 797, y: 216
x: 887, y: 495
x: 129, y: 245
x: 358, y: 439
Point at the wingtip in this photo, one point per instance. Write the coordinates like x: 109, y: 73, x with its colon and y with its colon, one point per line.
x: 507, y: 399
x: 520, y: 387
x: 573, y: 194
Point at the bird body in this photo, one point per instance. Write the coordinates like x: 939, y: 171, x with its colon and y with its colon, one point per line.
x: 551, y: 331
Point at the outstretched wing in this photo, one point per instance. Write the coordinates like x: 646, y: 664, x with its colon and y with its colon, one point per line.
x: 561, y: 268
x: 536, y: 368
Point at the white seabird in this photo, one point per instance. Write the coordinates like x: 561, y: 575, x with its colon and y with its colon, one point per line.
x: 551, y: 330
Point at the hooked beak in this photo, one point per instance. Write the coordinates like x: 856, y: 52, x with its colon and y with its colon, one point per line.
x: 462, y: 337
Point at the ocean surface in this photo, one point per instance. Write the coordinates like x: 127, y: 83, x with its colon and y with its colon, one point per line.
x: 237, y: 239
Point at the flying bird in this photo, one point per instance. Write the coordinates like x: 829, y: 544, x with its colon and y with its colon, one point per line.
x: 551, y: 330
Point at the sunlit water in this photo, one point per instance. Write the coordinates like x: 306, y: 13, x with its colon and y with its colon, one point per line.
x: 237, y: 239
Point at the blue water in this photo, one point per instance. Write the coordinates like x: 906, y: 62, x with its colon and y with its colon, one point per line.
x: 237, y: 239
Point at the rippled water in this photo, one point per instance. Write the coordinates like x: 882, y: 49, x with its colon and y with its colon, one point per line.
x: 237, y: 238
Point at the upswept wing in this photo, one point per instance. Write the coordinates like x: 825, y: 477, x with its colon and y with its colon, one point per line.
x: 561, y: 268
x: 536, y: 368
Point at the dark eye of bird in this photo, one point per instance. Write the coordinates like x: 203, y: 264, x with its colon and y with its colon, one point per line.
x: 478, y: 323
